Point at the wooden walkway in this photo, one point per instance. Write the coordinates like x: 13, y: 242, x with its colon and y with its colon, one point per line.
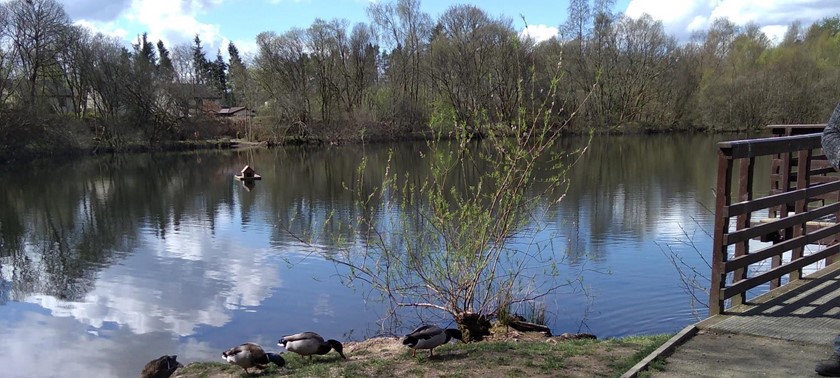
x: 783, y: 333
x: 806, y: 311
x: 788, y: 329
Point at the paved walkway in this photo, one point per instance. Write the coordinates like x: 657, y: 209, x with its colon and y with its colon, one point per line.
x: 710, y: 354
x: 780, y: 334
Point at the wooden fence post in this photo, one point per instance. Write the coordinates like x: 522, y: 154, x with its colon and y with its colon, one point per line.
x: 723, y: 198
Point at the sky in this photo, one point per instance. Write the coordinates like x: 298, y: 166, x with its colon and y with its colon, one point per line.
x: 220, y: 21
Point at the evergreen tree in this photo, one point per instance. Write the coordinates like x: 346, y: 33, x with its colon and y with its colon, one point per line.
x: 201, y: 66
x: 237, y: 76
x: 235, y: 59
x: 165, y: 62
x: 145, y: 49
x: 218, y: 70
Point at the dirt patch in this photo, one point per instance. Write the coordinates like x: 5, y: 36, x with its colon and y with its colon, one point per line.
x: 380, y: 347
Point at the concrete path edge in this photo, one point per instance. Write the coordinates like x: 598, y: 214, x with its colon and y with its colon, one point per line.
x: 663, y: 351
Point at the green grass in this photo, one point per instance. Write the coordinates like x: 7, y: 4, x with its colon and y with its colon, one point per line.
x: 650, y: 343
x: 493, y: 359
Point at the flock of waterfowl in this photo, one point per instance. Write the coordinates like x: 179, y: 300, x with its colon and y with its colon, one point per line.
x: 251, y: 355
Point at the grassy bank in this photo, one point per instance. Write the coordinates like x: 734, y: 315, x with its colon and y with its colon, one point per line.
x: 385, y: 357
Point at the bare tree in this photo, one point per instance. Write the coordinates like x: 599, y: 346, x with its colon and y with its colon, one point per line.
x: 75, y: 61
x: 404, y: 31
x: 645, y: 53
x: 38, y: 26
x: 7, y: 56
x: 183, y: 65
x: 325, y: 43
x: 579, y: 22
x: 107, y: 78
x: 283, y: 72
x: 361, y: 73
x: 473, y: 59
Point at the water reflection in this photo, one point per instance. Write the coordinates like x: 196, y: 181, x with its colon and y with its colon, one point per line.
x: 65, y: 348
x: 248, y: 185
x: 167, y: 254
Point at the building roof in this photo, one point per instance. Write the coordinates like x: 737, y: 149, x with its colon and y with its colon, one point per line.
x: 231, y: 111
x: 238, y: 111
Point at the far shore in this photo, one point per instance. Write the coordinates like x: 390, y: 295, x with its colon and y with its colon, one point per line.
x: 94, y: 148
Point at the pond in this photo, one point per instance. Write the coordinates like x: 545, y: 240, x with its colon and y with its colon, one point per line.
x: 122, y: 259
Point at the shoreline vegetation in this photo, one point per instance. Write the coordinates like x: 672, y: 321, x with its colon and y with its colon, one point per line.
x: 76, y: 148
x: 403, y: 73
x: 226, y: 143
x: 506, y: 354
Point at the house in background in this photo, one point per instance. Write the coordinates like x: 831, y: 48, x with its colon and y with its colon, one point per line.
x: 239, y: 117
x: 236, y: 113
x: 61, y: 99
x: 194, y: 99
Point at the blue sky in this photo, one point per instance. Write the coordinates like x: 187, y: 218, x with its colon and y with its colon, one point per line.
x: 220, y: 21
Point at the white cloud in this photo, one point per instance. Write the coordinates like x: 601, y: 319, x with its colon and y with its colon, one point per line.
x: 775, y: 32
x: 773, y: 16
x: 246, y: 47
x: 106, y: 28
x: 539, y: 32
x: 173, y: 21
x: 176, y: 21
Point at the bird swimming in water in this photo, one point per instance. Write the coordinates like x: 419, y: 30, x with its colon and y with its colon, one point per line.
x: 430, y: 337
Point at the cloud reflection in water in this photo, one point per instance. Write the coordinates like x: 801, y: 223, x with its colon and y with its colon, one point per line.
x: 172, y: 295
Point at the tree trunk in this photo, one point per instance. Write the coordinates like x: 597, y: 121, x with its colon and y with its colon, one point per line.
x: 473, y: 326
x: 523, y: 326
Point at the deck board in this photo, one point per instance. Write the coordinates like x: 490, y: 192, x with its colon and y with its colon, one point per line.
x: 808, y: 313
x: 782, y: 333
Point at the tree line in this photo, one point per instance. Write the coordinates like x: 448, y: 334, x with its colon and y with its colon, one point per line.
x: 404, y: 71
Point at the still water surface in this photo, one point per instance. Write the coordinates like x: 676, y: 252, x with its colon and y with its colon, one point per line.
x: 109, y: 262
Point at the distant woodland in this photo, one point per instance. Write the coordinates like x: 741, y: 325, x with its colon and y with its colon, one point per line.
x: 403, y: 72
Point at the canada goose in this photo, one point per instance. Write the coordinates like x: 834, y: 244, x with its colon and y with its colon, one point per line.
x: 162, y: 367
x: 250, y: 355
x: 309, y: 343
x: 430, y: 337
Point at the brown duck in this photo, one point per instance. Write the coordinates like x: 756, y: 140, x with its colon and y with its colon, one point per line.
x: 250, y: 355
x: 161, y: 367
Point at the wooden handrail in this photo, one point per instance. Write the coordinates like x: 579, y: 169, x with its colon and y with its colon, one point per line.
x: 739, y: 149
x: 799, y: 126
x: 800, y: 179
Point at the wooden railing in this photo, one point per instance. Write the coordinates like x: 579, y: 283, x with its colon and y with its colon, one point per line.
x: 800, y: 210
x: 797, y: 129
